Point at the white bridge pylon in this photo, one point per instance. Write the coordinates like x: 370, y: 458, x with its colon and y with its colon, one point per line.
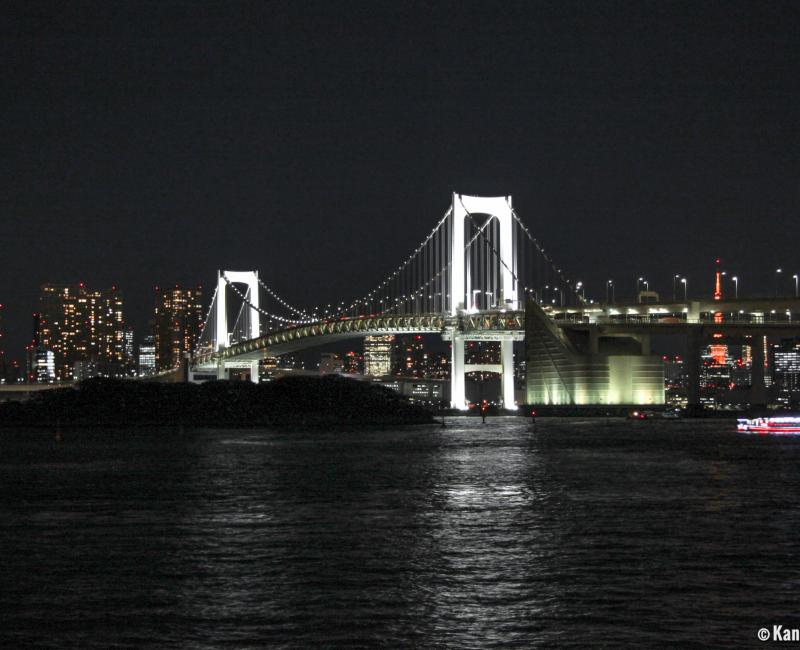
x: 463, y: 293
x: 497, y: 207
x: 223, y: 335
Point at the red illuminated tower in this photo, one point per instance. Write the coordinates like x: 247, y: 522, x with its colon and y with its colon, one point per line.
x: 718, y: 352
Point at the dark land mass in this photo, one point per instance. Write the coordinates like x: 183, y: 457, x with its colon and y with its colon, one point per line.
x: 290, y: 401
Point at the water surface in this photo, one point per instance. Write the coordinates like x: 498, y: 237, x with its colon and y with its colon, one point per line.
x: 582, y: 532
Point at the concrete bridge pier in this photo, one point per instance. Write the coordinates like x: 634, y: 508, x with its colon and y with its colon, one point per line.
x: 221, y: 371
x: 458, y: 369
x: 758, y: 389
x: 254, y: 378
x: 458, y: 388
x: 694, y: 344
x: 594, y: 340
x: 507, y: 360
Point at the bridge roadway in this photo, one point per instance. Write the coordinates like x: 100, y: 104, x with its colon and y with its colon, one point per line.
x: 731, y: 331
x: 692, y: 309
x: 484, y: 325
x: 490, y: 325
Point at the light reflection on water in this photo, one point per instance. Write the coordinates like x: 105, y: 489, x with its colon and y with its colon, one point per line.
x: 580, y: 532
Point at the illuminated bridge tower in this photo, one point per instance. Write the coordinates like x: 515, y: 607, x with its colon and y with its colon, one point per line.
x: 470, y: 278
x: 222, y: 334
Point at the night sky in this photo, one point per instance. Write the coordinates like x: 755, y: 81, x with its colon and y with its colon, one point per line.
x: 319, y: 142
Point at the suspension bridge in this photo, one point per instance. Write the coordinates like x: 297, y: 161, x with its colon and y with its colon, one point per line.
x: 467, y: 280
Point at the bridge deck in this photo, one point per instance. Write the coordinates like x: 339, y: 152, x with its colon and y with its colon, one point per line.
x: 483, y: 325
x: 292, y: 339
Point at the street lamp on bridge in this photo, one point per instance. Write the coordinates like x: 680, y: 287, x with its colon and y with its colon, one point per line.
x: 777, y: 278
x: 610, y: 290
x: 735, y: 286
x: 675, y: 287
x: 685, y: 289
x: 794, y: 277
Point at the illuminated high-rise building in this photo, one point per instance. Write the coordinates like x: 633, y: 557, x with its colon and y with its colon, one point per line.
x: 40, y: 365
x: 177, y: 324
x: 59, y: 327
x: 147, y: 357
x: 79, y: 326
x: 378, y: 355
x: 786, y: 366
x: 109, y: 330
x: 129, y: 352
x: 713, y: 374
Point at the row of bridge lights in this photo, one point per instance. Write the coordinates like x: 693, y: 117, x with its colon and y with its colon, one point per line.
x: 340, y: 307
x: 642, y: 282
x: 382, y: 302
x: 329, y: 309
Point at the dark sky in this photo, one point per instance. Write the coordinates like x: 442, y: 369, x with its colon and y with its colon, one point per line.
x: 147, y: 143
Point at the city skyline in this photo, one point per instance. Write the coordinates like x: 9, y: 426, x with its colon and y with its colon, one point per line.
x: 783, y: 284
x: 81, y: 332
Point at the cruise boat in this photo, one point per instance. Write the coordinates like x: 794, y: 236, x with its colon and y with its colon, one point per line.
x: 785, y: 424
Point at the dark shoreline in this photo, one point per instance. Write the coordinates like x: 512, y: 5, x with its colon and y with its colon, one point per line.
x: 289, y: 402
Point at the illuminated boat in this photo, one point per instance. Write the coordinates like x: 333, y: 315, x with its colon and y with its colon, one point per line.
x: 787, y: 424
